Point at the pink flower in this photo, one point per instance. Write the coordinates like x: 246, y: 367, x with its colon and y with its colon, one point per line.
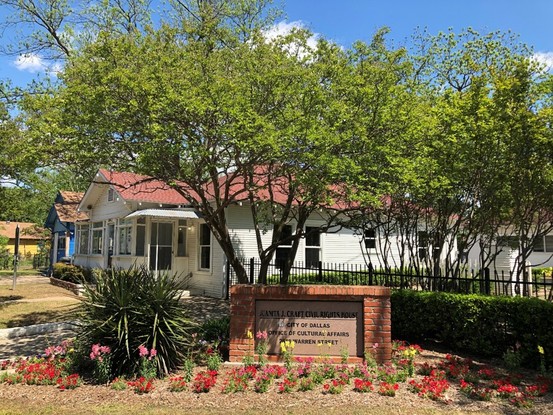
x: 153, y: 353
x: 261, y: 335
x: 142, y: 350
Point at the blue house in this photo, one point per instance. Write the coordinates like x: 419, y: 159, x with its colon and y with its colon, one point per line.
x: 61, y: 222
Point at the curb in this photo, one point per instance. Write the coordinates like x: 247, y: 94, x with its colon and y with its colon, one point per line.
x: 36, y: 329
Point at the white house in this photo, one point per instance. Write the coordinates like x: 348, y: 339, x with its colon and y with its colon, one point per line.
x: 136, y: 221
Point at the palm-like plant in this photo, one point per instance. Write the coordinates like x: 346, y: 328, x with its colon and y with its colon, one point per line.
x: 134, y: 307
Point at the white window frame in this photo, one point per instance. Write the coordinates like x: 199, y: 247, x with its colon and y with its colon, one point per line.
x: 83, y: 231
x: 182, y: 232
x: 124, y: 237
x: 311, y: 231
x: 111, y: 194
x: 140, y: 230
x: 546, y: 245
x: 97, y: 242
x: 204, y: 228
x: 369, y: 238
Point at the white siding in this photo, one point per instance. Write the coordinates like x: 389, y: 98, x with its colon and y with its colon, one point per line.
x: 341, y: 247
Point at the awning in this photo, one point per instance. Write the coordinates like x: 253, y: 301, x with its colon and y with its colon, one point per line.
x: 165, y: 213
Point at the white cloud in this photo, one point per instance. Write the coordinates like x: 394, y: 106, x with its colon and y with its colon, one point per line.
x: 545, y: 58
x: 284, y: 28
x: 55, y: 68
x: 30, y: 62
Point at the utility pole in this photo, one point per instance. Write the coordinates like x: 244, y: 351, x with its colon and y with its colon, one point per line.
x: 15, y: 256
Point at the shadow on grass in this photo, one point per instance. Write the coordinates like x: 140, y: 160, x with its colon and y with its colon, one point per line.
x: 4, y: 298
x: 42, y: 317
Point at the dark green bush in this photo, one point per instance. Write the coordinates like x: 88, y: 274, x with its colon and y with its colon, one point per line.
x: 216, y: 331
x: 482, y: 325
x: 130, y: 308
x: 68, y: 272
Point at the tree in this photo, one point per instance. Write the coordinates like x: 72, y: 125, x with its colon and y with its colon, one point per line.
x: 196, y: 114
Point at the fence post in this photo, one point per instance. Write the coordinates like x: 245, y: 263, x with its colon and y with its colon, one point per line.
x: 320, y: 274
x: 370, y: 273
x: 487, y: 286
x: 252, y: 270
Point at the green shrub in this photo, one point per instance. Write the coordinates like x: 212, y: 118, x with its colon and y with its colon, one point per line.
x: 68, y: 272
x: 482, y: 325
x: 539, y: 274
x: 127, y: 309
x: 216, y: 331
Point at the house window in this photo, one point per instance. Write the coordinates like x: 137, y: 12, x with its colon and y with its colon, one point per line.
x: 111, y: 195
x: 284, y: 248
x: 62, y: 238
x: 544, y: 244
x: 422, y: 244
x: 181, y: 238
x: 140, y: 236
x: 97, y: 237
x: 124, y: 235
x: 549, y: 243
x: 312, y: 247
x: 205, y: 247
x: 539, y: 246
x: 369, y: 236
x: 83, y: 239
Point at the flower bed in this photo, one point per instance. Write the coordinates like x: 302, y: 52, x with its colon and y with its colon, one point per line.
x: 448, y: 379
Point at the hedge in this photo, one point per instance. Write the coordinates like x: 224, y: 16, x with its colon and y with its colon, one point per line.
x: 73, y: 273
x: 482, y: 325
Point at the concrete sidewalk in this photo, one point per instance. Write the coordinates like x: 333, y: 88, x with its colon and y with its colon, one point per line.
x: 32, y: 345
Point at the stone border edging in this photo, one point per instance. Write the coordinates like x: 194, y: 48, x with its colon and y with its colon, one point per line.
x: 76, y: 289
x: 35, y: 329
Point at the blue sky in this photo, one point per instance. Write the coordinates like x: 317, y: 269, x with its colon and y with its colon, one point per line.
x: 345, y: 21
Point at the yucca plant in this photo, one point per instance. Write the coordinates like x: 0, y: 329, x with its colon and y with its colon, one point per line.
x: 127, y: 309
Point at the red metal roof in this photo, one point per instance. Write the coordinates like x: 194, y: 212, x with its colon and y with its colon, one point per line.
x: 139, y: 188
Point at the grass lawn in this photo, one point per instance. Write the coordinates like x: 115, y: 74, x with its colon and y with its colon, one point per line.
x: 35, y: 304
x: 20, y: 272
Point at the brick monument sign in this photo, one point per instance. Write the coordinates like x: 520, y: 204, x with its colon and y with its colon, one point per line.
x: 320, y: 319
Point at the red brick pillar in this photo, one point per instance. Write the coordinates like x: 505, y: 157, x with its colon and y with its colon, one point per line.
x: 375, y: 301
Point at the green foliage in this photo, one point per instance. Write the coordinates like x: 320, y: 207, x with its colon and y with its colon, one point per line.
x: 131, y: 308
x: 483, y: 325
x: 213, y: 360
x: 540, y: 274
x: 68, y: 272
x: 216, y: 331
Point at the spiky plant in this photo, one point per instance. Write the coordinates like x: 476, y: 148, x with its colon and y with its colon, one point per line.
x: 129, y: 308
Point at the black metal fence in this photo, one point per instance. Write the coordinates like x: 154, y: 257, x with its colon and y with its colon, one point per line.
x: 464, y: 281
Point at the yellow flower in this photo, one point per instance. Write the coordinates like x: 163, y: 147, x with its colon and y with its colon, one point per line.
x: 283, y: 347
x: 292, y: 344
x: 540, y: 350
x: 329, y: 344
x: 249, y: 334
x: 410, y: 352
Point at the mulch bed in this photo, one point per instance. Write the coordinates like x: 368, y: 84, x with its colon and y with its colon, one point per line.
x: 272, y: 401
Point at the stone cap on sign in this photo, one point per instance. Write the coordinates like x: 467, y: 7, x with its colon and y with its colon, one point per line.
x: 317, y: 290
